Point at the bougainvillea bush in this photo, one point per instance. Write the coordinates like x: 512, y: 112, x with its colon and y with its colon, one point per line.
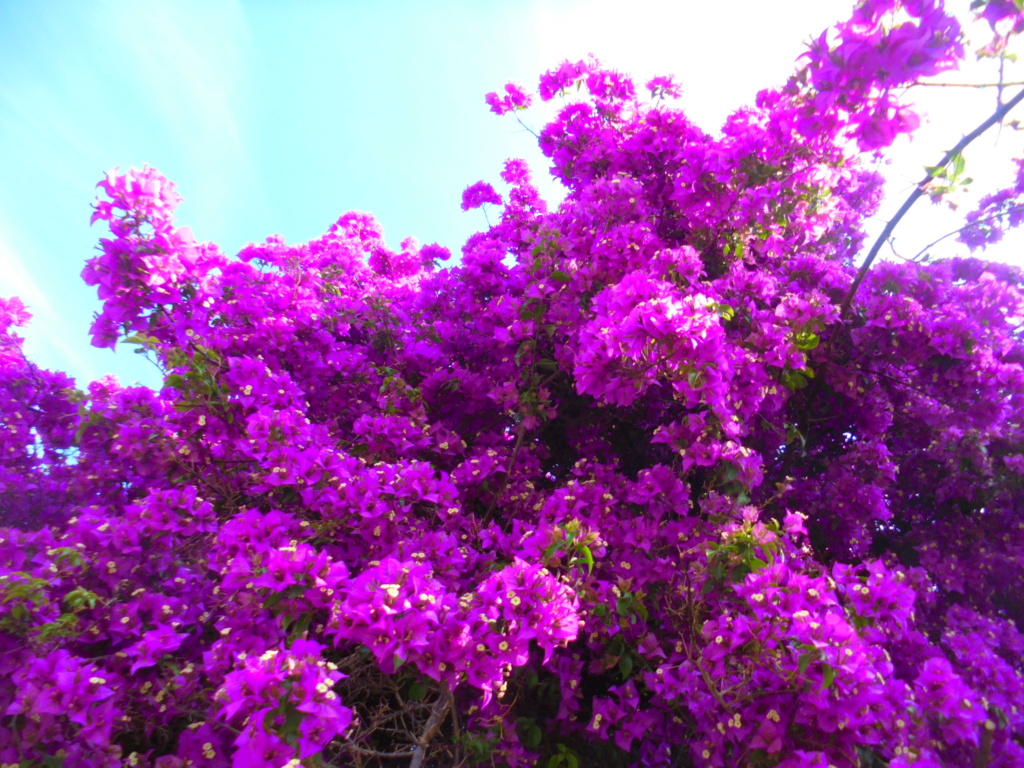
x: 646, y: 480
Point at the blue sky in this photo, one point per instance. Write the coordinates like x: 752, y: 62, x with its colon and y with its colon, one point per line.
x: 276, y: 117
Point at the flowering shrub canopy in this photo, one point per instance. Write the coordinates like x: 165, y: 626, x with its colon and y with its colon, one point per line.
x: 626, y: 486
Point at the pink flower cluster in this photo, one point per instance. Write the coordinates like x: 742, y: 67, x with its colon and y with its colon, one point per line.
x: 623, y: 486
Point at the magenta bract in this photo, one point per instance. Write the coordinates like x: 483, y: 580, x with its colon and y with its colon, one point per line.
x: 624, y: 486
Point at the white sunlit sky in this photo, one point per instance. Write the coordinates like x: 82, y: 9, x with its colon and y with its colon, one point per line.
x: 275, y: 117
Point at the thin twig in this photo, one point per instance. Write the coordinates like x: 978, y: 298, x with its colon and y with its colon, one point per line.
x: 528, y: 128
x: 996, y: 117
x: 970, y: 85
x: 1002, y: 84
x: 375, y: 753
x: 976, y: 222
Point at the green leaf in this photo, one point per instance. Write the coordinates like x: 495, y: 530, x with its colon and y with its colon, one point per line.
x: 532, y: 309
x: 794, y: 380
x: 524, y: 347
x: 79, y: 598
x: 869, y: 758
x: 828, y: 675
x: 624, y: 605
x: 533, y: 736
x: 740, y: 572
x: 806, y: 340
x: 292, y: 720
x: 417, y: 691
x: 588, y: 557
x: 626, y: 666
x: 958, y: 163
x: 301, y: 624
x: 571, y: 761
x: 803, y: 661
x: 725, y: 311
x: 67, y: 556
x: 561, y: 277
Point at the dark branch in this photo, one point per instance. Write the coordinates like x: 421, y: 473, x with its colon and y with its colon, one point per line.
x: 919, y: 190
x: 433, y: 723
